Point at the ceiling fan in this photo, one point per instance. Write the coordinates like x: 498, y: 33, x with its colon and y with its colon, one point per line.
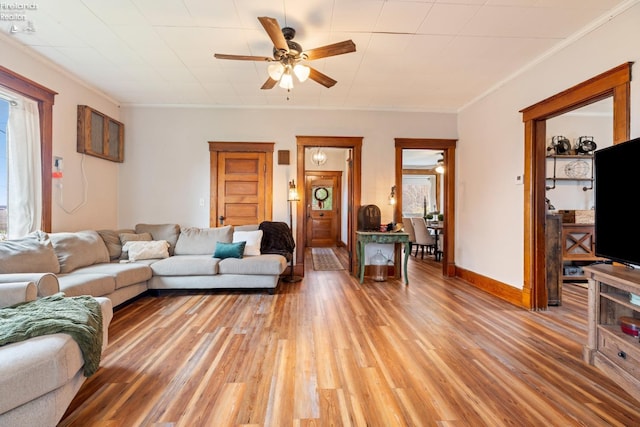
x: 288, y: 57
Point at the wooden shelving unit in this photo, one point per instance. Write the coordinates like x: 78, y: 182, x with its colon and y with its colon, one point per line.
x: 564, y: 160
x: 608, y: 348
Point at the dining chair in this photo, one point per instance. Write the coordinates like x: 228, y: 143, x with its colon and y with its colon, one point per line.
x: 408, y: 228
x: 424, y: 240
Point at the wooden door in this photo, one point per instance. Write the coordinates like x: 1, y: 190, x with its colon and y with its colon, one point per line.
x: 241, y: 188
x: 241, y: 183
x: 323, y: 195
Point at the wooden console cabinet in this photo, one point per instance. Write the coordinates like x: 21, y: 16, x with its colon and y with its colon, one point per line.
x: 608, y: 348
x: 578, y: 244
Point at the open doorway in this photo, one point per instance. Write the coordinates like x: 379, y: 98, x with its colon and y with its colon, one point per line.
x: 613, y: 83
x: 351, y: 150
x: 446, y: 149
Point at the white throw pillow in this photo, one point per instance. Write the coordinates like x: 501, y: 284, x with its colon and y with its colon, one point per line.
x: 253, y: 239
x: 147, y: 249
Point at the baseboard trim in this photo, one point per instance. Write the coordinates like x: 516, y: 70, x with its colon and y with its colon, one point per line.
x: 498, y: 289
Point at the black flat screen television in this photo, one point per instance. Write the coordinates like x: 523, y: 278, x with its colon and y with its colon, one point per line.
x: 617, y: 182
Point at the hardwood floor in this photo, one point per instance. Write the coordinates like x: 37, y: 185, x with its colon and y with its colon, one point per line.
x: 329, y: 351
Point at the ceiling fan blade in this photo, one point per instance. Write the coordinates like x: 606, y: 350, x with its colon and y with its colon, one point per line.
x: 323, y: 79
x: 346, y: 46
x: 242, y: 57
x: 269, y: 84
x: 272, y: 28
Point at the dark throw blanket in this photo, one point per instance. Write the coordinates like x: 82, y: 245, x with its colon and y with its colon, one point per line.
x: 276, y: 239
x: 79, y: 317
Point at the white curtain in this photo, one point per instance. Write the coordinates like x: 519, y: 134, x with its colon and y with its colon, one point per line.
x: 24, y: 202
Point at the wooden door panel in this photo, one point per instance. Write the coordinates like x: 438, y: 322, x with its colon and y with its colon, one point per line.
x: 323, y: 232
x: 241, y: 188
x: 242, y: 166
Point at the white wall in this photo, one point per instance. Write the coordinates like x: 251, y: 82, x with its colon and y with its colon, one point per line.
x: 101, y: 208
x: 489, y: 227
x: 166, y: 169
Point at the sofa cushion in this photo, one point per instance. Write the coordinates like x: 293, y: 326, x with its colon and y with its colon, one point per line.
x: 155, y: 249
x: 30, y: 254
x: 186, y: 265
x: 111, y: 239
x: 123, y: 274
x: 79, y: 249
x: 262, y: 264
x: 168, y: 232
x: 253, y: 239
x: 229, y: 250
x: 132, y: 237
x: 95, y: 284
x: 202, y: 241
x: 32, y: 368
x: 246, y: 227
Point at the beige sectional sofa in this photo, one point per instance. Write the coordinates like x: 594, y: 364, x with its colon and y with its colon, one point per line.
x: 114, y: 266
x: 93, y: 262
x: 39, y: 377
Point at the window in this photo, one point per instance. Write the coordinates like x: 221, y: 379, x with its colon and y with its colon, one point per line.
x: 419, y: 195
x: 44, y: 98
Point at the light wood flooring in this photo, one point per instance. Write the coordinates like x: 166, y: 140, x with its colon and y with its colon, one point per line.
x: 329, y: 351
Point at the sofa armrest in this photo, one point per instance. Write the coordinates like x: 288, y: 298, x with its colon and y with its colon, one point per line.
x: 107, y: 315
x: 17, y: 292
x: 46, y: 283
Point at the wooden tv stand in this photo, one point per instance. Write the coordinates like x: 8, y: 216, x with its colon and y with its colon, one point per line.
x: 608, y: 348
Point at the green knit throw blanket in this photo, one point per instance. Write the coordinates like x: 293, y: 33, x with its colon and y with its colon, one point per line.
x: 80, y: 317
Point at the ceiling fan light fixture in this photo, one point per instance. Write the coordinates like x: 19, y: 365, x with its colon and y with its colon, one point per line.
x: 275, y: 70
x: 440, y: 166
x: 302, y: 72
x: 286, y: 81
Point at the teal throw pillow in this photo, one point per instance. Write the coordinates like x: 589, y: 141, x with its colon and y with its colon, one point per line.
x: 229, y: 250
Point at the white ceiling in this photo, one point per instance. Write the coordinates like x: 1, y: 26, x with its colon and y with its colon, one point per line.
x: 423, y: 55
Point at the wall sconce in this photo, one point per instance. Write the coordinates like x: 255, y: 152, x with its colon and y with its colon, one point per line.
x: 319, y: 157
x: 392, y: 196
x: 293, y: 192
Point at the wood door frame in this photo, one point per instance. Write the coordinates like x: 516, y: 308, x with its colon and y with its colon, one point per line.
x: 337, y: 202
x: 354, y: 187
x: 448, y: 146
x: 613, y: 83
x: 216, y: 147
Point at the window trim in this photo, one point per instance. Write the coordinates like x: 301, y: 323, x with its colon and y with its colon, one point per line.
x: 45, y: 99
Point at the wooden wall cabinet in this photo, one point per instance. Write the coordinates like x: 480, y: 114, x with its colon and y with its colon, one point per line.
x: 99, y: 135
x: 608, y: 348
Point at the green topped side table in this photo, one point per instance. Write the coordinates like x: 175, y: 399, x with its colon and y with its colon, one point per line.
x: 364, y: 237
